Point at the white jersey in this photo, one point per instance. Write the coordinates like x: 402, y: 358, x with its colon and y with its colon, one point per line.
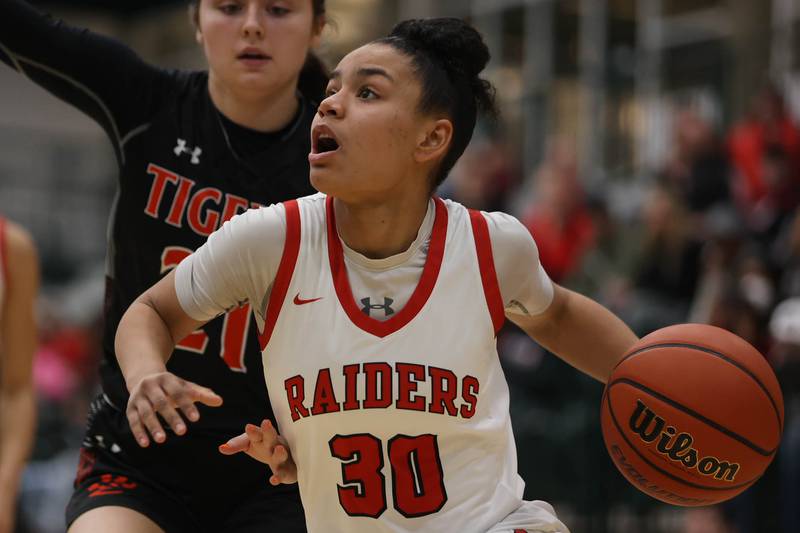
x: 401, y: 424
x: 398, y: 421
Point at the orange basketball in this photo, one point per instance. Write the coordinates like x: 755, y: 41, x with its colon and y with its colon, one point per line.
x: 692, y: 415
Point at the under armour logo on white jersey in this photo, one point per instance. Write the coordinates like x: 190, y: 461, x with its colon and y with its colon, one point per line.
x: 386, y: 307
x: 183, y: 149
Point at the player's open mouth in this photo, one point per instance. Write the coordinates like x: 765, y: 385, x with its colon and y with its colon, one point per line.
x: 326, y: 144
x: 253, y: 54
x: 323, y: 141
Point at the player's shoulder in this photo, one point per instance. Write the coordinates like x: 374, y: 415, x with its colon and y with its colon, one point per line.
x: 502, y: 222
x: 493, y: 217
x: 175, y: 93
x: 501, y: 225
x: 191, y: 84
x: 315, y: 199
x: 507, y: 233
x: 262, y: 215
x: 313, y: 203
x: 275, y: 214
x: 456, y: 212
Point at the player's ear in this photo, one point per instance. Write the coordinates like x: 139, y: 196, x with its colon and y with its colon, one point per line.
x: 316, y: 31
x: 434, y: 140
x: 194, y: 20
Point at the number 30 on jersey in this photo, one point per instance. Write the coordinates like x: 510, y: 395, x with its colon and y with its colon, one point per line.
x: 416, y: 473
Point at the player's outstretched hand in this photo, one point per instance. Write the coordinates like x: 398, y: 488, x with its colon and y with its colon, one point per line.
x: 265, y: 445
x: 165, y: 394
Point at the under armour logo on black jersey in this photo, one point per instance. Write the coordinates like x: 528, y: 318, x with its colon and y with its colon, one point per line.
x: 183, y: 149
x: 387, y: 306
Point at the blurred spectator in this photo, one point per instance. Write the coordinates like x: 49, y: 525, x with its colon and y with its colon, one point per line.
x: 723, y: 239
x: 559, y: 217
x: 604, y: 263
x: 755, y: 282
x: 734, y: 274
x: 483, y: 176
x: 697, y: 170
x: 734, y: 313
x: 705, y: 520
x: 785, y: 330
x: 666, y: 268
x: 781, y: 195
x: 65, y: 358
x: 769, y: 127
x: 786, y: 256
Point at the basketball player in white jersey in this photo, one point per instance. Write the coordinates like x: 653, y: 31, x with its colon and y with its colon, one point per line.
x: 393, y: 415
x: 19, y: 284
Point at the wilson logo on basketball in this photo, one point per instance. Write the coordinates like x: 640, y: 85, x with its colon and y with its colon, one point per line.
x: 677, y: 446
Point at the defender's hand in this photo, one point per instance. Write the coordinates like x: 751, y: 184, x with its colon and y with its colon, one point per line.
x: 165, y: 394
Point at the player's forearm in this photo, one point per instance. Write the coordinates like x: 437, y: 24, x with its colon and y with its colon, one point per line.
x: 585, y: 334
x: 143, y: 343
x: 17, y: 423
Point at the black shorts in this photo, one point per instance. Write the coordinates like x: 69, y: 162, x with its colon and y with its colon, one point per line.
x: 183, y: 485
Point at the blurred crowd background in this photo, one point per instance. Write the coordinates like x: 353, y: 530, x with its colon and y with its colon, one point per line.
x: 651, y: 147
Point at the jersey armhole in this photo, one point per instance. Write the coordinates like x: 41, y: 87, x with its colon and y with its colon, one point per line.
x: 280, y: 286
x: 491, y: 287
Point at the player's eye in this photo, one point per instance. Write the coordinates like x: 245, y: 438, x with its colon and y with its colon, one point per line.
x: 278, y: 11
x: 365, y: 93
x: 230, y: 8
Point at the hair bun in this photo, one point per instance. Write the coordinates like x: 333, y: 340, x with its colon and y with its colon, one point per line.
x: 447, y: 55
x: 458, y: 46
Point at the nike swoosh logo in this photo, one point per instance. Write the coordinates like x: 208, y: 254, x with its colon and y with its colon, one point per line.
x: 300, y: 301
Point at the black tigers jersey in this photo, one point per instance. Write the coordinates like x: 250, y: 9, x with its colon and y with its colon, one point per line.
x: 184, y: 168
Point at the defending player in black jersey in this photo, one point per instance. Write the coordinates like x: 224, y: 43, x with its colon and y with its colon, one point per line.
x: 194, y: 149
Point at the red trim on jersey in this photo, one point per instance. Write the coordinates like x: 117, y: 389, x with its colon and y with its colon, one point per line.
x: 285, y: 271
x: 422, y: 292
x: 3, y: 255
x: 491, y: 288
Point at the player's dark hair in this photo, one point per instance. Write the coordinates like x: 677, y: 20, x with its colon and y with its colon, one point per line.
x: 314, y: 75
x: 448, y: 55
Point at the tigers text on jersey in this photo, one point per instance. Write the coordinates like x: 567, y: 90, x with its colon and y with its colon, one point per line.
x: 402, y: 424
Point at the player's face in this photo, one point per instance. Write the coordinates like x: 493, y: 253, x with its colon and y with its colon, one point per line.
x: 366, y: 133
x: 257, y: 44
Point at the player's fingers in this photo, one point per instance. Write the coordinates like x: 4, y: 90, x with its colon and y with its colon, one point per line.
x: 254, y: 433
x: 270, y: 434
x: 280, y: 454
x: 137, y: 428
x: 287, y: 467
x: 283, y: 466
x: 204, y: 395
x: 179, y: 392
x: 239, y: 443
x: 150, y: 420
x: 163, y: 405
